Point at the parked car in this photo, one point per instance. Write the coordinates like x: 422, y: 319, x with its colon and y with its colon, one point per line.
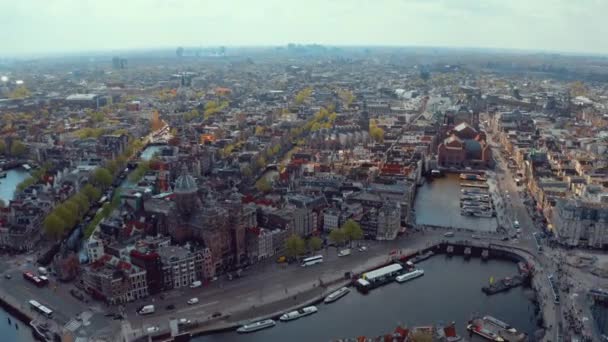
x: 184, y: 321
x: 216, y: 314
x: 152, y: 329
x: 362, y: 248
x: 196, y: 284
x: 170, y: 307
x: 192, y: 301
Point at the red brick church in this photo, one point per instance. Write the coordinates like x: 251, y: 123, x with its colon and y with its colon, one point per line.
x: 464, y: 146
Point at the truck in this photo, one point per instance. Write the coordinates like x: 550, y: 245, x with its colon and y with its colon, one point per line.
x: 344, y: 252
x: 146, y: 309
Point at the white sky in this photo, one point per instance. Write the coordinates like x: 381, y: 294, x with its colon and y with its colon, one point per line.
x: 51, y: 26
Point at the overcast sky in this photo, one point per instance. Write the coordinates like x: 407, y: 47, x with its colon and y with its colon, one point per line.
x: 51, y: 26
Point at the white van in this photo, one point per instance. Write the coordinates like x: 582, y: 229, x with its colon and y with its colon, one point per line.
x: 192, y: 301
x: 196, y: 284
x: 148, y: 309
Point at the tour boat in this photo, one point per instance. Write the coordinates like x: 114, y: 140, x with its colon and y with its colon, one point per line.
x: 409, y: 276
x: 267, y: 323
x: 334, y: 296
x: 290, y: 316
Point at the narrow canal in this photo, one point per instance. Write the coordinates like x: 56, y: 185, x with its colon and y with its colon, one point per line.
x: 9, y: 184
x: 449, y: 291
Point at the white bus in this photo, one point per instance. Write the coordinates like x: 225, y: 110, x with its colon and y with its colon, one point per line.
x: 41, y: 308
x: 317, y: 259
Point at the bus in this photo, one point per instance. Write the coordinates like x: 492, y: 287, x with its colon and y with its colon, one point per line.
x: 317, y: 259
x: 41, y: 308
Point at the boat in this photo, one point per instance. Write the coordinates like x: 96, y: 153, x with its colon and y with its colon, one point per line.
x: 334, y: 296
x: 409, y: 276
x: 2, y: 174
x: 422, y: 257
x: 290, y: 316
x: 474, y: 185
x: 485, y: 333
x: 251, y: 327
x: 497, y: 322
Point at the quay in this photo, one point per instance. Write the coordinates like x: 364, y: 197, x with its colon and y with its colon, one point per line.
x: 504, y: 284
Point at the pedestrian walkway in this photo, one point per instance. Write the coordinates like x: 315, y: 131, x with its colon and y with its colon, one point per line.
x: 72, y: 325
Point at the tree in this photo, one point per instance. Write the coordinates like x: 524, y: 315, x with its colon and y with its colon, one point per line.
x: 303, y: 95
x: 315, y: 243
x: 81, y: 200
x: 54, y: 226
x: 337, y: 236
x: 263, y: 185
x: 246, y: 171
x: 112, y: 166
x: 18, y: 148
x: 20, y: 92
x: 346, y: 96
x: 352, y: 230
x: 260, y: 162
x: 91, y: 192
x: 294, y: 246
x: 259, y: 130
x: 102, y: 177
x: 66, y: 215
x: 376, y: 132
x: 578, y: 88
x: 156, y: 123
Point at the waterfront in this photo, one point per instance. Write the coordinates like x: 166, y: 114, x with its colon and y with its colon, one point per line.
x: 9, y: 184
x: 423, y: 301
x: 9, y: 332
x: 438, y: 203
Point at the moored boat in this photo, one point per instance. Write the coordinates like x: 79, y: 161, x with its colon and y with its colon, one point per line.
x: 251, y: 327
x: 290, y: 316
x: 409, y: 276
x: 334, y: 296
x: 485, y: 333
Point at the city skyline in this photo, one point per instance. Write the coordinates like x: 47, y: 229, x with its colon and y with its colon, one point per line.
x: 60, y: 26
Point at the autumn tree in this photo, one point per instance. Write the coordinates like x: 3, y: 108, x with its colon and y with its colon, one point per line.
x: 263, y: 185
x: 303, y: 95
x: 20, y: 92
x: 156, y: 123
x: 376, y: 132
x: 346, y: 96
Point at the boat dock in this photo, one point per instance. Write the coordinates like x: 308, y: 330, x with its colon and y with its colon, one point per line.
x: 493, y: 329
x: 503, y: 285
x: 474, y: 185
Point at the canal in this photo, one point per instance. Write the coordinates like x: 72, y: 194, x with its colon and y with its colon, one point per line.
x: 438, y: 203
x: 9, y: 184
x: 449, y: 291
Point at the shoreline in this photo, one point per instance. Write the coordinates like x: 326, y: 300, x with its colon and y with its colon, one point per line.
x: 512, y: 256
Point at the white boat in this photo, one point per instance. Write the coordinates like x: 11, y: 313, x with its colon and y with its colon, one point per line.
x: 409, y: 276
x: 290, y: 316
x: 334, y: 296
x: 267, y: 323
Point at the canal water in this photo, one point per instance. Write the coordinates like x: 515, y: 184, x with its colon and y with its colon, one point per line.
x: 9, y: 184
x: 438, y: 203
x: 10, y: 332
x: 449, y: 291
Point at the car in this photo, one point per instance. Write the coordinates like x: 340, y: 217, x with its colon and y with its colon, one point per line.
x: 515, y: 224
x: 184, y: 321
x: 196, y: 284
x: 152, y: 329
x: 170, y: 307
x: 518, y: 230
x: 362, y: 248
x: 8, y: 276
x: 449, y: 234
x: 216, y: 314
x: 475, y: 236
x: 192, y: 301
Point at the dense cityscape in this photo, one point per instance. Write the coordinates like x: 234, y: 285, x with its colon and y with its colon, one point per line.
x: 220, y: 193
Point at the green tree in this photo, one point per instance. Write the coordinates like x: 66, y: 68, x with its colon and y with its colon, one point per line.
x: 294, y: 246
x: 352, y: 230
x: 337, y: 236
x: 73, y: 207
x: 102, y: 177
x: 18, y: 148
x: 54, y: 226
x: 91, y: 192
x: 112, y: 166
x: 81, y: 200
x: 263, y: 185
x: 246, y: 171
x: 346, y: 96
x: 315, y: 243
x: 97, y: 117
x: 66, y: 215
